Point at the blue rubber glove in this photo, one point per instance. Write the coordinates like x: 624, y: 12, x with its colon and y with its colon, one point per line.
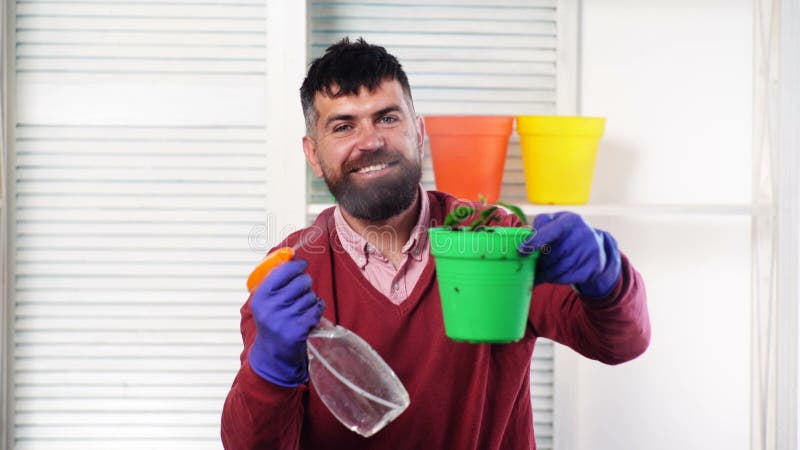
x: 572, y: 252
x: 285, y: 310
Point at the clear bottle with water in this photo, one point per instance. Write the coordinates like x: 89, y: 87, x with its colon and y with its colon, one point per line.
x: 353, y: 381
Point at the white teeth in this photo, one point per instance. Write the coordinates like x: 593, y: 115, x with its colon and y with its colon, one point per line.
x: 372, y: 168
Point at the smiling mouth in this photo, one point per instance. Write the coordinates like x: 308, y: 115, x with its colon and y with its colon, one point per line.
x: 372, y: 168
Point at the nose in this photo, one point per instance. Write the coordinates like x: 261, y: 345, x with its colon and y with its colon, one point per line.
x: 370, y: 138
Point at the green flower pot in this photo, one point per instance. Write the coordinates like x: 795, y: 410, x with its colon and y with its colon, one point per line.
x: 484, y: 284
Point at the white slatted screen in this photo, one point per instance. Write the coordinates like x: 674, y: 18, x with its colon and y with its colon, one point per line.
x: 139, y: 170
x: 463, y: 57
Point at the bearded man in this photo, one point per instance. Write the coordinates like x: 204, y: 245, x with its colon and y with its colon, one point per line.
x: 368, y: 258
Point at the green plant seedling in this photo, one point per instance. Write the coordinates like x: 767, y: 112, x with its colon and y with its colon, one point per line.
x: 485, y: 216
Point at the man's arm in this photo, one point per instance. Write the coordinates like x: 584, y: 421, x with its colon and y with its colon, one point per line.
x: 588, y: 297
x: 258, y: 413
x: 264, y: 408
x: 612, y: 330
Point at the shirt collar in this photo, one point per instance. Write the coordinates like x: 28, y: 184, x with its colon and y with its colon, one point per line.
x: 361, y: 250
x: 418, y: 241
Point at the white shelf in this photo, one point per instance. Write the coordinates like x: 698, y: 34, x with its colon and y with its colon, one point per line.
x: 654, y: 210
x: 630, y: 209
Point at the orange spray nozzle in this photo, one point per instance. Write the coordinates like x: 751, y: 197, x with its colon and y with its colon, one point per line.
x: 273, y: 260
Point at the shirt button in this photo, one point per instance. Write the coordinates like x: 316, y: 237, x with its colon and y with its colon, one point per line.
x: 395, y: 286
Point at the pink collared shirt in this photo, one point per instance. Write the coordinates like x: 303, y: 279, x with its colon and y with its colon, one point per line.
x: 397, y: 283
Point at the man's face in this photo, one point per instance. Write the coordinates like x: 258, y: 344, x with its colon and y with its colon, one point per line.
x: 368, y: 148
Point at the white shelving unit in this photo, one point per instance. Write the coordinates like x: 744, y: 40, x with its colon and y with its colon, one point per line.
x: 631, y: 210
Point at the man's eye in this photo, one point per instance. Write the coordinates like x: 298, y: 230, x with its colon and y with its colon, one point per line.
x: 341, y: 128
x: 388, y: 119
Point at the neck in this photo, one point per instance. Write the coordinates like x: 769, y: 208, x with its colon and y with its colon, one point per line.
x: 390, y: 235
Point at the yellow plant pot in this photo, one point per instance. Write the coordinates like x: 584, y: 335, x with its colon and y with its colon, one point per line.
x: 558, y: 155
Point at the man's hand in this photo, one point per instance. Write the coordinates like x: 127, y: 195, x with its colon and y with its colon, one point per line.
x: 285, y: 310
x: 572, y: 252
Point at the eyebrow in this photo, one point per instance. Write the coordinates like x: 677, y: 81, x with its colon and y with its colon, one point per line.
x: 345, y: 117
x: 348, y: 117
x: 387, y: 110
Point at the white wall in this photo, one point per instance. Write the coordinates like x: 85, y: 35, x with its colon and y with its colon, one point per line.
x: 674, y: 80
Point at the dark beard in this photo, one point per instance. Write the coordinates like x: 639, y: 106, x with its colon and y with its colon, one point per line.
x: 383, y: 198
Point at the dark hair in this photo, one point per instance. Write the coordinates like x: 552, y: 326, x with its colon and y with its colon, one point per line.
x: 347, y: 67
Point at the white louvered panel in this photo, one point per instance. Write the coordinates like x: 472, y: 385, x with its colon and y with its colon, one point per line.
x: 497, y: 4
x: 133, y: 254
x: 225, y: 3
x: 511, y: 32
x: 542, y: 393
x: 112, y: 377
x: 165, y: 418
x: 116, y: 432
x: 140, y: 37
x: 460, y: 57
x: 185, y: 138
x: 466, y: 58
x: 76, y: 99
x: 162, y: 282
x: 165, y: 27
x: 78, y: 37
x: 134, y: 9
x: 433, y: 11
x: 105, y: 444
x: 124, y: 337
x: 69, y: 21
x: 140, y: 164
x: 125, y: 297
x: 127, y: 351
x: 116, y: 316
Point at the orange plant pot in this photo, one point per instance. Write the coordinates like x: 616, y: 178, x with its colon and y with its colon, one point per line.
x: 469, y: 154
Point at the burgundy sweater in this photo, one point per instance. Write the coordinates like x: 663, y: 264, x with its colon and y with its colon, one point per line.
x: 463, y: 396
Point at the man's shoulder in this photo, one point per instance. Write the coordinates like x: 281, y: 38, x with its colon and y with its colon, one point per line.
x: 313, y: 238
x: 441, y: 203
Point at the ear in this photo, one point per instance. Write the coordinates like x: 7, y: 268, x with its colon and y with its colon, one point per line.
x: 421, y: 137
x: 310, y: 150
